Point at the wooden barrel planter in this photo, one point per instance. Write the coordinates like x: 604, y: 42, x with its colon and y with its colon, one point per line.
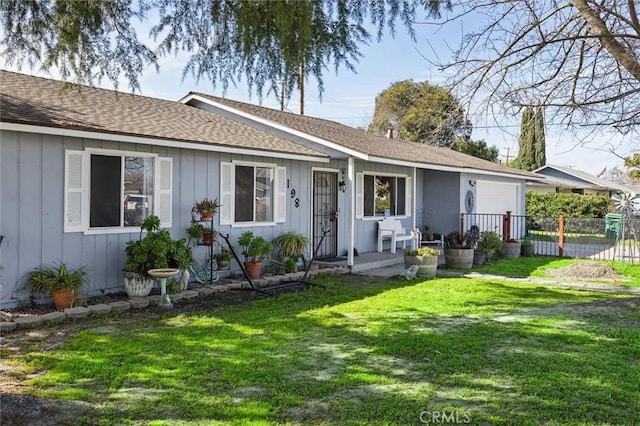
x: 458, y: 258
x: 511, y: 250
x: 427, y: 265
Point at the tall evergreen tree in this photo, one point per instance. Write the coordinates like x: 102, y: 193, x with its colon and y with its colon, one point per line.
x: 532, y: 147
x: 524, y: 160
x: 539, y: 144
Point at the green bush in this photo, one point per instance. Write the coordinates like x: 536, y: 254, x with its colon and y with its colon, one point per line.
x: 571, y: 205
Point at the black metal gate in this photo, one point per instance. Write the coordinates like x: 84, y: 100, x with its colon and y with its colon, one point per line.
x: 325, y: 212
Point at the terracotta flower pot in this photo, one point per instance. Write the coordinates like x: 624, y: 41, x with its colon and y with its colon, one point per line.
x: 64, y: 298
x: 254, y: 269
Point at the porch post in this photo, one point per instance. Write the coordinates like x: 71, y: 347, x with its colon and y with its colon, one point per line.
x: 351, y: 215
x: 415, y: 243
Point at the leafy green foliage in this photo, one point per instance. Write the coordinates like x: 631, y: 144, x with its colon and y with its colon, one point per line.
x: 254, y: 247
x: 572, y: 205
x: 422, y: 251
x: 633, y: 162
x: 420, y: 112
x: 57, y: 276
x: 156, y: 250
x: 228, y: 41
x: 478, y: 149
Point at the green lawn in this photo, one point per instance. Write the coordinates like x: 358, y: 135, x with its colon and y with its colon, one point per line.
x: 537, y: 266
x: 364, y: 352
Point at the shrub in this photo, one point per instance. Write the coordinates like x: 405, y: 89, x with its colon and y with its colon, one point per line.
x: 571, y: 205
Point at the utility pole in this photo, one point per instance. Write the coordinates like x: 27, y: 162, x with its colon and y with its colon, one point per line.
x: 508, y: 156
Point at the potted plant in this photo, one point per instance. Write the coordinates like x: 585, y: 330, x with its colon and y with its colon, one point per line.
x: 511, y: 249
x: 526, y: 247
x: 156, y: 250
x: 223, y: 258
x: 207, y: 208
x: 426, y: 258
x: 255, y: 250
x: 426, y: 234
x: 458, y: 250
x: 59, y: 280
x: 488, y: 247
x: 195, y: 231
x: 290, y: 247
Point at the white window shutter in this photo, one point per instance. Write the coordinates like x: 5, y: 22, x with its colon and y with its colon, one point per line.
x: 281, y: 194
x: 74, y: 210
x: 164, y: 190
x: 226, y: 193
x: 359, y: 195
x: 408, y: 197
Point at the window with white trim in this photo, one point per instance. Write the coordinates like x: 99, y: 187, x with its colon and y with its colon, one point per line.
x: 252, y: 193
x: 378, y: 194
x: 110, y: 190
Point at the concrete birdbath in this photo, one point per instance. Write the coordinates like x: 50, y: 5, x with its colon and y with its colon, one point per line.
x: 162, y: 274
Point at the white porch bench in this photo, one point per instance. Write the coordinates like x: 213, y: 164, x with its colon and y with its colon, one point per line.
x: 389, y: 228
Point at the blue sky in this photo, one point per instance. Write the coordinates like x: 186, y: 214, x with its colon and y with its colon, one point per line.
x: 349, y: 97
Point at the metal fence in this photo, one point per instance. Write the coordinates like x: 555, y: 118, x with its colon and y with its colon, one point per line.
x: 585, y: 238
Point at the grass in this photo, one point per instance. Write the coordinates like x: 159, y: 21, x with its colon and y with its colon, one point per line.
x: 364, y: 352
x: 538, y: 266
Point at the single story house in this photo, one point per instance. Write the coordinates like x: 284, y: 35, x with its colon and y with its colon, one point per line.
x: 75, y: 161
x: 568, y: 180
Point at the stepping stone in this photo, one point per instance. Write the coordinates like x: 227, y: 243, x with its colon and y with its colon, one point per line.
x: 28, y: 322
x: 154, y: 300
x: 120, y: 306
x: 7, y: 326
x: 235, y: 285
x: 101, y: 308
x: 176, y: 296
x: 206, y: 291
x: 54, y: 316
x: 189, y: 294
x: 77, y: 312
x: 139, y: 302
x: 220, y: 288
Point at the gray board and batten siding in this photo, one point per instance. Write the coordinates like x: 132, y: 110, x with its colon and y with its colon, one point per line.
x: 32, y: 208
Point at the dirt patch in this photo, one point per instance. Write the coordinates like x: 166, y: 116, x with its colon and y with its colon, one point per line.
x: 592, y: 271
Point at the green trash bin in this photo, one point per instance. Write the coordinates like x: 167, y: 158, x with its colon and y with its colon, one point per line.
x: 613, y: 226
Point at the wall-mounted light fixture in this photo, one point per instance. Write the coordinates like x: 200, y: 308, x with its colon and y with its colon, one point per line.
x: 472, y: 182
x: 342, y: 185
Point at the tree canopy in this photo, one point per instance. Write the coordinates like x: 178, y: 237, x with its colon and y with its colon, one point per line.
x: 579, y: 59
x: 425, y: 113
x: 262, y: 42
x: 420, y: 112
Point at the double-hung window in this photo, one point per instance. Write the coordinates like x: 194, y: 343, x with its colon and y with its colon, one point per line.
x: 252, y: 193
x: 380, y: 195
x: 111, y: 190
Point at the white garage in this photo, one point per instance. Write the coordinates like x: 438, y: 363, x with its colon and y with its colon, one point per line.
x: 497, y: 197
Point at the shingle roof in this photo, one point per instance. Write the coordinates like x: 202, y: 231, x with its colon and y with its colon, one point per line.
x: 367, y: 143
x: 39, y: 101
x: 587, y: 179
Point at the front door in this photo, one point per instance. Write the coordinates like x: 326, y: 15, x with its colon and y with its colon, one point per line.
x: 325, y: 213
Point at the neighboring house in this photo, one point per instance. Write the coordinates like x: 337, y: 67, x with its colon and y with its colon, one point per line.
x: 567, y: 180
x: 81, y: 166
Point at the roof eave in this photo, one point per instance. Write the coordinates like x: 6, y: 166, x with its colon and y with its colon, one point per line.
x: 443, y: 168
x: 323, y: 142
x: 120, y: 137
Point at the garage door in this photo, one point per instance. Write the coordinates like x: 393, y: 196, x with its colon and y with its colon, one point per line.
x: 497, y: 197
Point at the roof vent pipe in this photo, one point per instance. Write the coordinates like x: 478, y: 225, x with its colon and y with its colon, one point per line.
x: 390, y: 131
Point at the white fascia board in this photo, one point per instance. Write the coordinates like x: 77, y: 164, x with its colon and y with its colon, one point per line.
x: 278, y: 126
x: 445, y: 168
x: 58, y: 131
